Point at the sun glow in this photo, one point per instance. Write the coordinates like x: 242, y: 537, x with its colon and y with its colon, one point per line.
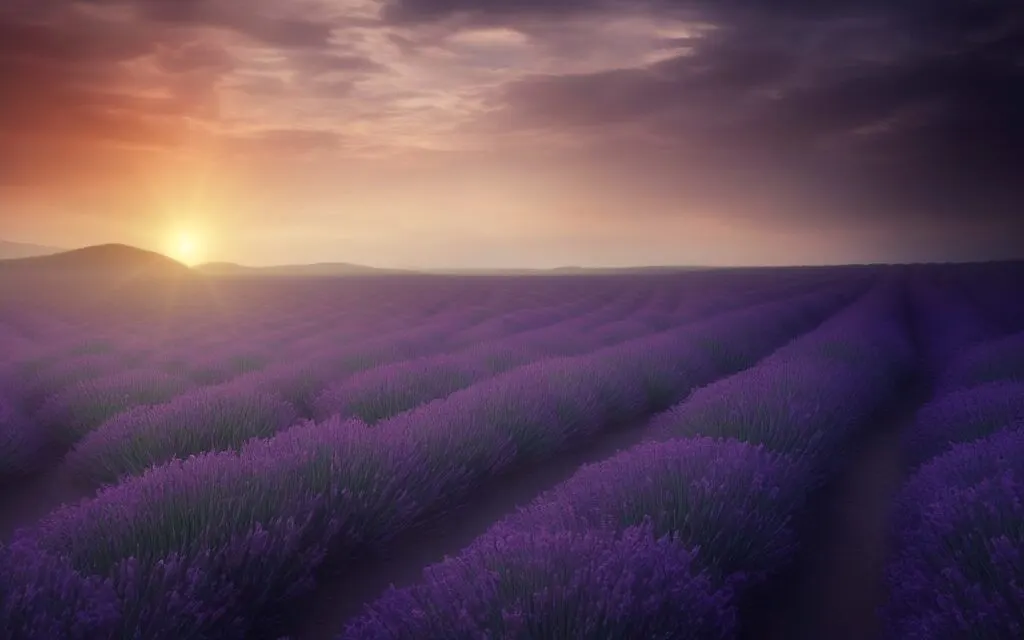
x: 187, y: 248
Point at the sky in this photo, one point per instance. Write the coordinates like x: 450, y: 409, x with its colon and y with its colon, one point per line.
x: 516, y: 133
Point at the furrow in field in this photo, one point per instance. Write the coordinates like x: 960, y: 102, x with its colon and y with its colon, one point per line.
x: 836, y: 586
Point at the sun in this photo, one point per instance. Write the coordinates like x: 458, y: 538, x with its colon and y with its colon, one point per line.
x: 187, y: 248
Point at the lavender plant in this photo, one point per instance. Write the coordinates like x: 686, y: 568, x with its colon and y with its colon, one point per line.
x: 74, y: 412
x: 992, y: 361
x: 591, y: 584
x: 808, y: 398
x: 948, y: 324
x: 207, y: 419
x: 40, y: 379
x: 723, y: 507
x: 961, y: 416
x: 732, y: 500
x: 957, y: 568
x: 42, y: 596
x: 385, y: 391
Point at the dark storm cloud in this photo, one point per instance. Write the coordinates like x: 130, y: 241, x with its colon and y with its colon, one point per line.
x: 903, y: 104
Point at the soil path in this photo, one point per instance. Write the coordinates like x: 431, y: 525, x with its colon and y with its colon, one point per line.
x: 25, y: 500
x: 340, y: 597
x: 834, y: 589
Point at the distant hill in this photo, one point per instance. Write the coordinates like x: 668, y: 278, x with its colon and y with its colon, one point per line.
x: 565, y: 271
x: 321, y: 269
x: 101, y: 260
x: 348, y: 269
x: 15, y: 250
x: 606, y: 270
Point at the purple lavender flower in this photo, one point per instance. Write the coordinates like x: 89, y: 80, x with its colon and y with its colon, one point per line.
x: 589, y: 584
x: 74, y: 412
x: 992, y: 361
x: 42, y: 596
x: 948, y: 323
x: 210, y: 546
x: 208, y: 419
x: 957, y: 568
x: 732, y: 500
x: 215, y: 541
x: 385, y: 391
x: 808, y: 398
x: 961, y: 416
x: 215, y: 367
x: 38, y: 380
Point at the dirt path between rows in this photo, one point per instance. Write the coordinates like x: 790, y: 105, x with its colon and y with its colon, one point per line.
x: 25, y: 500
x: 834, y: 589
x: 338, y: 598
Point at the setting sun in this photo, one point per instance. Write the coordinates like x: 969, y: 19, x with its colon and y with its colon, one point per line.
x: 186, y: 248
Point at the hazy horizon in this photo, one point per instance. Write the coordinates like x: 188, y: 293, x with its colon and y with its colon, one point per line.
x: 438, y: 134
x: 4, y: 244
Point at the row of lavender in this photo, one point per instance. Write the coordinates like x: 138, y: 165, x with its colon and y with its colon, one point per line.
x: 201, y: 312
x: 73, y: 391
x: 995, y: 288
x: 218, y: 545
x: 662, y: 540
x: 957, y: 561
x: 314, y: 332
x: 284, y: 311
x: 262, y: 403
x: 239, y: 337
x: 45, y: 386
x: 385, y: 391
x: 74, y: 385
x: 210, y: 310
x: 268, y: 399
x: 331, y: 310
x: 59, y: 399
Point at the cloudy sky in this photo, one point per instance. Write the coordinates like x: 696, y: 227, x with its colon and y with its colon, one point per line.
x: 516, y: 132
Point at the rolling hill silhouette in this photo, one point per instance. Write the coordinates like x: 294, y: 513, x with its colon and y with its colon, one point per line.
x: 124, y: 260
x: 104, y: 260
x: 321, y: 269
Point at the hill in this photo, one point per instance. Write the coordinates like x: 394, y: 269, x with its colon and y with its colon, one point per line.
x: 566, y: 271
x: 321, y: 269
x: 16, y: 250
x: 101, y: 260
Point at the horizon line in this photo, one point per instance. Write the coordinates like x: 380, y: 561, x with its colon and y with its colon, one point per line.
x: 198, y: 267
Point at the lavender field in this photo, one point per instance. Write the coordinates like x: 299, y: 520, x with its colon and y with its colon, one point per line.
x: 833, y: 452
